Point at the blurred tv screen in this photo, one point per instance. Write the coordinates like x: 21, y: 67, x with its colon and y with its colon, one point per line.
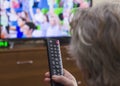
x: 37, y: 18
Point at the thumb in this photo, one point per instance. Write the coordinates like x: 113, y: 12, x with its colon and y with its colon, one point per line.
x: 62, y: 80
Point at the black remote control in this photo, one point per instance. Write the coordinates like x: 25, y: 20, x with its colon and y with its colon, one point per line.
x: 54, y: 59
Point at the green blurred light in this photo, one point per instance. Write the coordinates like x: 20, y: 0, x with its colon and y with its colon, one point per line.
x: 3, y: 44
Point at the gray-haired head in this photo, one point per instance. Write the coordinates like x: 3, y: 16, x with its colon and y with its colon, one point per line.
x: 95, y: 43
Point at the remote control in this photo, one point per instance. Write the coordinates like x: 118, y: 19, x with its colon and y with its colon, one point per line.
x: 54, y: 59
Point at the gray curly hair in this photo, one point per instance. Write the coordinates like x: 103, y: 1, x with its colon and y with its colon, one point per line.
x: 95, y: 43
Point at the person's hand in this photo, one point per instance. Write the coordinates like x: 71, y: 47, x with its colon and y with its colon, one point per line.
x: 67, y: 80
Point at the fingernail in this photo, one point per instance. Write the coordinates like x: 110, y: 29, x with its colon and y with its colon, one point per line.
x: 54, y: 76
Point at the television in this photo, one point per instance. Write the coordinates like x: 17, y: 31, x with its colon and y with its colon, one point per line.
x: 37, y: 19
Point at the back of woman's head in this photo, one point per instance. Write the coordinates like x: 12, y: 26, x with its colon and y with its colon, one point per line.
x: 95, y: 43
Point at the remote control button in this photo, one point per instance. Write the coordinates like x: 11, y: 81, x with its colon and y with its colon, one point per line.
x: 52, y: 55
x: 57, y: 66
x: 54, y: 45
x: 51, y: 48
x: 57, y: 42
x: 56, y: 55
x: 50, y: 41
x: 55, y: 51
x: 53, y: 62
x: 53, y: 67
x: 58, y: 71
x: 51, y: 51
x: 55, y: 48
x: 56, y: 63
x: 54, y: 72
x: 56, y: 59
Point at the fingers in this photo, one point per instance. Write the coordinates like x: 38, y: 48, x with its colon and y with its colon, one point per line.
x: 63, y: 80
x: 47, y: 80
x: 68, y: 75
x: 47, y: 77
x: 47, y: 74
x: 67, y: 80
